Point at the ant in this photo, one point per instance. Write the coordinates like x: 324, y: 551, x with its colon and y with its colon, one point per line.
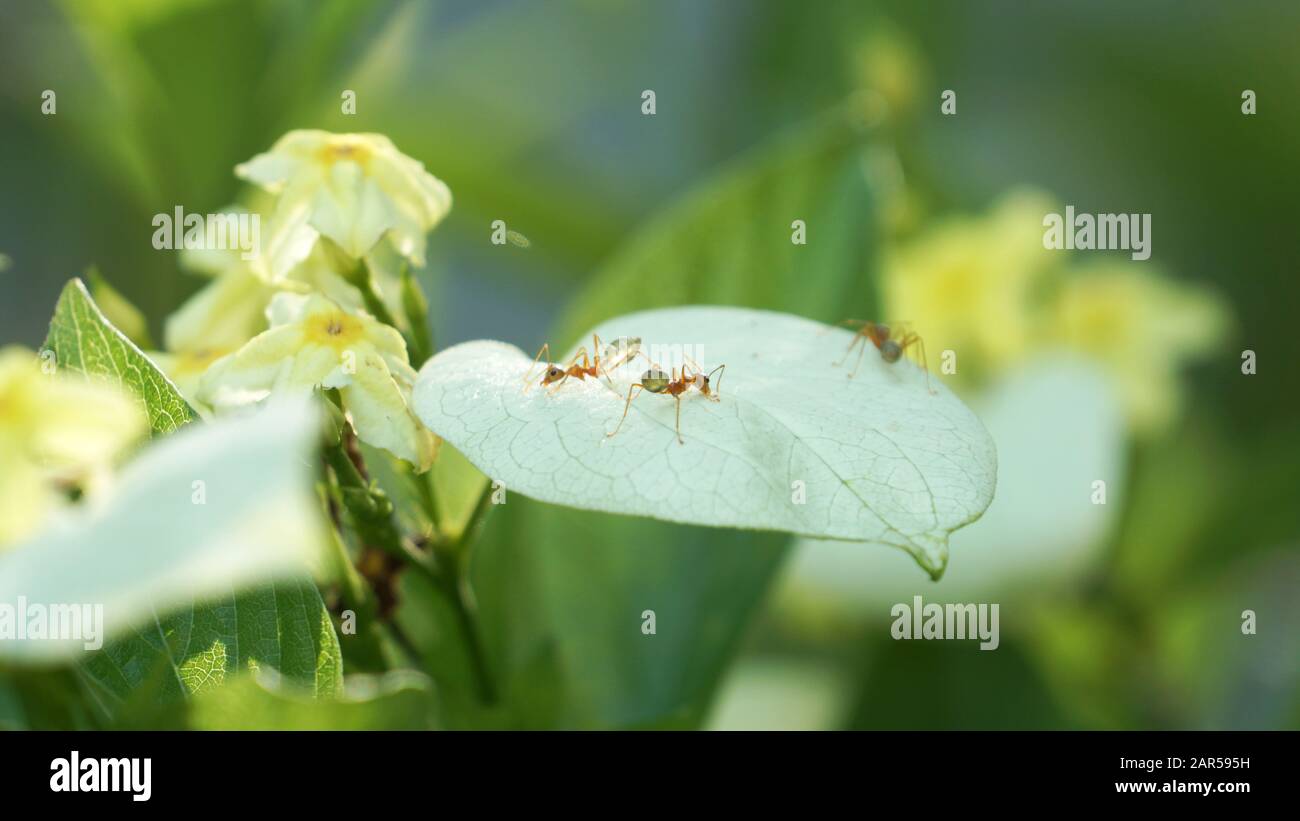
x: 656, y: 381
x: 583, y: 365
x: 891, y: 342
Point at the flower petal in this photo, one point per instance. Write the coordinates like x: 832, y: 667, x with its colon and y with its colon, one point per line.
x: 248, y: 375
x: 351, y: 209
x: 289, y: 241
x: 225, y: 313
x: 380, y: 414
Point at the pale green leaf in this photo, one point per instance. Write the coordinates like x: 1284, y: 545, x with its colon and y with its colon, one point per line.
x: 1044, y: 527
x: 793, y: 444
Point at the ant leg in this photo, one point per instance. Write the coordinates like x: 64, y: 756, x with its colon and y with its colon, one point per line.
x: 552, y: 391
x: 857, y: 338
x: 855, y: 324
x: 546, y: 349
x: 680, y: 441
x: 581, y: 353
x: 858, y: 362
x: 925, y: 366
x: 688, y: 360
x: 626, y: 405
x: 911, y: 338
x: 599, y: 348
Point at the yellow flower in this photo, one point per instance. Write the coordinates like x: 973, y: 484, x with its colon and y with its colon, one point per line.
x: 231, y: 309
x: 55, y: 429
x: 312, y: 342
x: 1141, y: 327
x: 969, y: 284
x: 225, y: 313
x: 186, y: 368
x: 352, y: 188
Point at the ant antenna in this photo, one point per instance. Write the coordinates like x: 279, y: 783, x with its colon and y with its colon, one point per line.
x: 718, y: 384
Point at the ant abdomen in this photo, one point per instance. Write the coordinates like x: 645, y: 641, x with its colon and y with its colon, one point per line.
x: 655, y: 381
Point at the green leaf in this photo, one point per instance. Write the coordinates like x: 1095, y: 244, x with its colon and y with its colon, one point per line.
x: 729, y: 242
x: 789, y: 443
x: 395, y: 701
x: 568, y: 590
x: 52, y: 698
x: 282, y: 627
x: 83, y: 340
x: 953, y: 685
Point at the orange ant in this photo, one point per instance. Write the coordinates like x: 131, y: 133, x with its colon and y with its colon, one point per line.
x: 583, y: 365
x: 656, y: 381
x: 891, y: 342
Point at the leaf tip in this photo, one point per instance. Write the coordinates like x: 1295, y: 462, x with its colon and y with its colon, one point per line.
x: 931, y: 553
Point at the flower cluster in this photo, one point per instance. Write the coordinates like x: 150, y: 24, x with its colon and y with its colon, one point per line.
x: 343, y: 212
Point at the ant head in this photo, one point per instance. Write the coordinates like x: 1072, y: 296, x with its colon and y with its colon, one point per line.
x: 655, y: 381
x: 553, y: 372
x: 890, y: 350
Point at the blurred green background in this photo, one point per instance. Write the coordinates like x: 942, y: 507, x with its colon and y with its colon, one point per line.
x: 766, y: 112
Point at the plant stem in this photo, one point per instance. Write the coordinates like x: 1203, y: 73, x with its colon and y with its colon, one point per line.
x: 350, y: 582
x: 457, y: 589
x: 425, y: 492
x: 361, y: 278
x: 416, y: 308
x: 404, y: 641
x: 353, y: 589
x: 455, y: 556
x: 447, y: 567
x: 419, y: 342
x: 469, y: 534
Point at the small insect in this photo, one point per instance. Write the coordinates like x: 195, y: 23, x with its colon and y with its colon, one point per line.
x: 891, y: 341
x: 656, y: 380
x: 583, y: 364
